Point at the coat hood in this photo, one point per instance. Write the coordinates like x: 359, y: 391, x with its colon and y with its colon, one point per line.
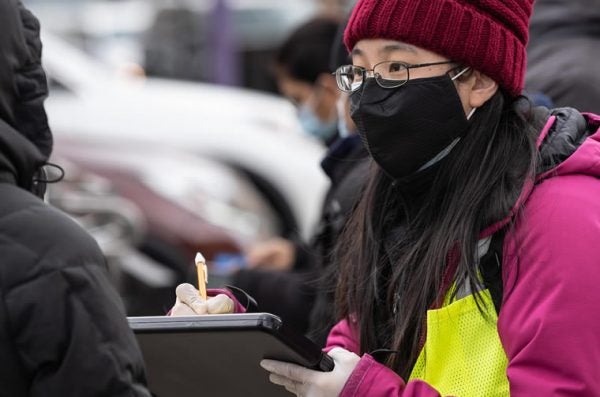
x: 25, y: 138
x: 570, y: 144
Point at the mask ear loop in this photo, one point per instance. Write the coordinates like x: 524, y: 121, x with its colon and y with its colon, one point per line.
x: 40, y: 180
x: 55, y: 180
x: 465, y: 70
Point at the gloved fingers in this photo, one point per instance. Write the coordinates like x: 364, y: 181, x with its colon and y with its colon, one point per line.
x: 339, y: 354
x: 290, y: 371
x: 220, y: 304
x: 290, y: 385
x: 190, y: 296
x: 181, y: 309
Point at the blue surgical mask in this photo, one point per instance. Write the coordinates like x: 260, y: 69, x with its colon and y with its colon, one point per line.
x: 314, y: 126
x: 342, y: 125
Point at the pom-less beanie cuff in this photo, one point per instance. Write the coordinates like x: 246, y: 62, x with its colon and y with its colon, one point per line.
x: 487, y: 35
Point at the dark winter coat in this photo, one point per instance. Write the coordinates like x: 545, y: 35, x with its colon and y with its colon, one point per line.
x: 62, y: 326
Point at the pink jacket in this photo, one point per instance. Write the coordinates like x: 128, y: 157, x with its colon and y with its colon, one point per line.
x: 549, y: 324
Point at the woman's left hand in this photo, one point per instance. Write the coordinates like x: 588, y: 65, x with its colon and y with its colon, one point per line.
x: 189, y: 303
x: 308, y: 383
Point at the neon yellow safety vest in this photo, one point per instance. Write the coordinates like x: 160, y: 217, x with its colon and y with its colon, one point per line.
x: 462, y: 355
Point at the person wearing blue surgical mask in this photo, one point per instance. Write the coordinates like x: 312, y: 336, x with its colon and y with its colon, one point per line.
x: 304, y: 77
x: 316, y: 115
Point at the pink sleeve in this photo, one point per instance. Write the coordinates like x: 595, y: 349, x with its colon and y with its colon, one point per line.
x: 373, y: 379
x: 549, y: 322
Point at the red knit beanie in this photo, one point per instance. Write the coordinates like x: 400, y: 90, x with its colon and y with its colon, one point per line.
x: 488, y: 35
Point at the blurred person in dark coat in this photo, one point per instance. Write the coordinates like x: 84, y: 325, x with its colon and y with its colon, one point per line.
x: 289, y: 277
x: 564, y: 53
x: 62, y: 326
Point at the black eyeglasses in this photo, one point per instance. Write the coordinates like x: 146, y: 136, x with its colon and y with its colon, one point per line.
x: 388, y: 74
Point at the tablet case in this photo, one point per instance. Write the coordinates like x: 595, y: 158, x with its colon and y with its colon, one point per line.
x: 219, y: 355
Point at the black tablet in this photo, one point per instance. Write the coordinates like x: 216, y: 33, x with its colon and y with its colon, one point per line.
x: 219, y: 355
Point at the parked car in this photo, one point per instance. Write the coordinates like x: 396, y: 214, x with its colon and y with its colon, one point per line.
x: 256, y: 134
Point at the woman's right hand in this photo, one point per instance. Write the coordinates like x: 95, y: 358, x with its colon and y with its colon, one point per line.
x: 189, y: 303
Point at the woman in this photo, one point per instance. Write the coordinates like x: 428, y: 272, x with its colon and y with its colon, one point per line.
x: 472, y: 263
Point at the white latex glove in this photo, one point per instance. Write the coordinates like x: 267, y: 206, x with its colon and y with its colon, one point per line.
x: 308, y: 383
x: 189, y: 303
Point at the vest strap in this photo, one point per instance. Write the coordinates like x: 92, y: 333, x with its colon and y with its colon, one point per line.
x: 490, y: 266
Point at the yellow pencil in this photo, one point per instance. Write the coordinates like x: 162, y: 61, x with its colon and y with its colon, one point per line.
x: 202, y: 274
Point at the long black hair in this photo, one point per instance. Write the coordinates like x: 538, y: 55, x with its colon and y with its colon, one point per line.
x: 394, y: 253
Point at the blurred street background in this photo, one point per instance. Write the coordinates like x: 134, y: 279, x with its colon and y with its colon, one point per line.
x: 167, y: 121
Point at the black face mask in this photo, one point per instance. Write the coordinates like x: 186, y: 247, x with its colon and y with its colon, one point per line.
x: 408, y: 128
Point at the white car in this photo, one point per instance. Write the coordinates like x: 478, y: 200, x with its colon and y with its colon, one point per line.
x: 254, y: 132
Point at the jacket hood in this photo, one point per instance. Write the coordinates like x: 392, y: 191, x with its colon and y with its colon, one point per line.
x: 570, y: 144
x: 25, y: 138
